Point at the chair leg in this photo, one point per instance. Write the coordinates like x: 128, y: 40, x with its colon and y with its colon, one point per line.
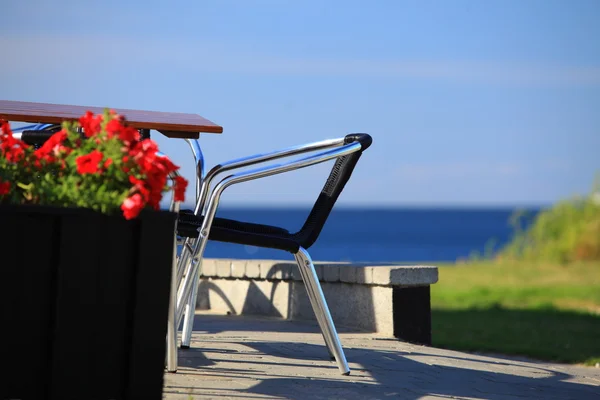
x: 319, y: 304
x: 313, y: 299
x: 190, y: 311
x: 188, y: 290
x: 190, y: 307
x: 184, y: 257
x: 172, y: 327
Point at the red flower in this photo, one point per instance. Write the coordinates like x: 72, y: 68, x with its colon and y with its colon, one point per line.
x: 88, y: 164
x: 4, y: 188
x: 156, y: 169
x: 167, y: 164
x: 116, y: 127
x: 91, y: 124
x: 140, y: 186
x: 144, y: 154
x: 179, y: 186
x: 132, y: 206
x: 52, y: 147
x: 5, y: 128
x: 129, y: 135
x: 157, y: 183
x: 113, y: 127
x: 13, y: 149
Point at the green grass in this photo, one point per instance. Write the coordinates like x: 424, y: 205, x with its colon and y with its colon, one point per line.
x: 545, y: 311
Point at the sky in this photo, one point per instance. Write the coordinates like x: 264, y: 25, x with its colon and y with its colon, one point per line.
x: 470, y: 103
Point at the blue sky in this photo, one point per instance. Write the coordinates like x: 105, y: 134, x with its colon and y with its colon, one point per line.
x: 469, y: 102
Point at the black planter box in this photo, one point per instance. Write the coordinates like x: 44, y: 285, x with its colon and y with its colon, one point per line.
x: 84, y: 303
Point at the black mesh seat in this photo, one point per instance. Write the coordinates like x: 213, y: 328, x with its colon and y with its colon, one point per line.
x: 231, y: 231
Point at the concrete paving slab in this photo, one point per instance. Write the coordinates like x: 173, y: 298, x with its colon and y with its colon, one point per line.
x: 236, y: 357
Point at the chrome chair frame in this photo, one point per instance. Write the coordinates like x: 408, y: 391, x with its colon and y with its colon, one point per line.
x: 189, y: 263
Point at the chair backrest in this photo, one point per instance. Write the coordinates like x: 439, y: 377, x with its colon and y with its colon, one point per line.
x: 339, y: 176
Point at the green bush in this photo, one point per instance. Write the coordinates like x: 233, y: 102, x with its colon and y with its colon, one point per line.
x: 569, y: 231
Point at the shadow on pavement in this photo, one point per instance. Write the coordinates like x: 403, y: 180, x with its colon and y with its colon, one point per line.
x: 382, y: 369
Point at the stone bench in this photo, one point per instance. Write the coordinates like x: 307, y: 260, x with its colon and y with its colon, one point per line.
x: 388, y: 300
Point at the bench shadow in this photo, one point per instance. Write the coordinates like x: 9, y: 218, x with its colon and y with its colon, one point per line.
x: 237, y: 323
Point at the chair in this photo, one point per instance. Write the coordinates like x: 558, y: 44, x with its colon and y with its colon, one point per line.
x: 201, y: 225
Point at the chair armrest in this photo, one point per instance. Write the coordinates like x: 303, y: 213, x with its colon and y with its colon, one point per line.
x: 269, y: 170
x: 257, y: 159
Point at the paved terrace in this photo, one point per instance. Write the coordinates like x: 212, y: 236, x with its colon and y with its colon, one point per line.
x: 235, y: 357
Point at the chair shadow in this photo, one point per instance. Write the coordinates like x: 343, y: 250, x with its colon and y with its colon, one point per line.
x: 404, y: 376
x: 407, y: 373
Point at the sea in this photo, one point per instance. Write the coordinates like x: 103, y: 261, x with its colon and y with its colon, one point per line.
x: 381, y: 235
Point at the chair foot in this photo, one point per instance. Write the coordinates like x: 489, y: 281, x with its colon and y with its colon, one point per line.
x: 319, y: 304
x: 184, y: 347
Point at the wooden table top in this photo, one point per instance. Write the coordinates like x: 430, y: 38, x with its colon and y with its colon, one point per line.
x: 172, y: 125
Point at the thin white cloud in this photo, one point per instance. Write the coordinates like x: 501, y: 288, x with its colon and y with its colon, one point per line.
x: 453, y: 170
x: 431, y: 170
x: 60, y: 51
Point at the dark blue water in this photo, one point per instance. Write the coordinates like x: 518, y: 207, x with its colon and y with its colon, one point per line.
x: 382, y: 235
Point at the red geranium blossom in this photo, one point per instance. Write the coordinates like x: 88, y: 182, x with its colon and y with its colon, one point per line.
x: 91, y: 124
x: 180, y: 185
x: 51, y: 149
x: 132, y: 206
x: 4, y: 188
x: 13, y: 149
x: 140, y: 187
x: 88, y: 164
x: 5, y: 128
x: 144, y: 153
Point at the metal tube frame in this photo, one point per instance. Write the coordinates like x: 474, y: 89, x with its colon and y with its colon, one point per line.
x: 210, y: 209
x: 188, y: 283
x: 185, y: 263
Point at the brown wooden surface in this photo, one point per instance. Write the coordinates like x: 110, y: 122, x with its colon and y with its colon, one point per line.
x: 173, y: 125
